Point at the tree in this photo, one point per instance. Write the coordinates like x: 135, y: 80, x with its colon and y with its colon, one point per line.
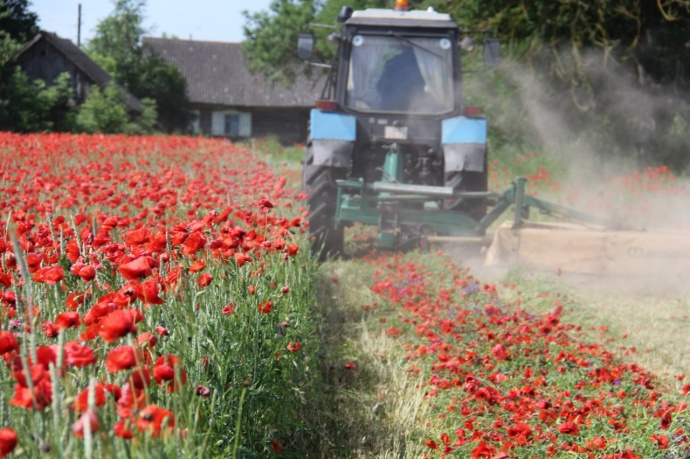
x: 17, y: 21
x: 271, y: 36
x: 117, y: 47
x: 25, y: 105
x: 30, y: 106
x: 105, y: 111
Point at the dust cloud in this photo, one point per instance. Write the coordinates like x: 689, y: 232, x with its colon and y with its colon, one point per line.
x: 609, y: 175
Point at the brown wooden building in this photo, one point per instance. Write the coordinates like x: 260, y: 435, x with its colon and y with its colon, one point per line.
x: 47, y: 56
x: 230, y: 101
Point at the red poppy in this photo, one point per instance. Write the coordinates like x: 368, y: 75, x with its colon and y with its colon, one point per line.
x: 152, y: 419
x: 483, y: 450
x: 292, y: 250
x: 276, y: 446
x: 88, y: 418
x: 82, y: 401
x: 122, y: 358
x: 67, y: 320
x: 520, y: 432
x: 294, y: 347
x: 569, y: 428
x: 33, y: 261
x: 164, y: 370
x: 204, y: 280
x: 266, y: 306
x: 74, y: 300
x: 98, y: 310
x: 128, y: 294
x: 122, y: 430
x: 45, y: 355
x: 172, y: 278
x: 197, y: 266
x: 8, y: 441
x: 138, y: 236
x: 74, y: 269
x: 130, y: 400
x: 50, y: 275
x: 5, y: 279
x: 242, y: 258
x: 140, y: 378
x: 147, y: 339
x: 77, y: 355
x: 136, y: 269
x: 117, y: 324
x: 202, y: 391
x: 660, y: 440
x: 42, y: 389
x: 228, y: 309
x: 87, y: 273
x: 666, y: 420
x: 499, y: 351
x: 194, y: 242
x: 151, y: 292
x: 597, y: 443
x: 8, y: 342
x: 431, y: 444
x: 50, y: 330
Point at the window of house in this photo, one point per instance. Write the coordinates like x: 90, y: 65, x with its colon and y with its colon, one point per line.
x: 232, y: 125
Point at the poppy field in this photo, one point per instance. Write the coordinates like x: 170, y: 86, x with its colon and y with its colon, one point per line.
x: 153, y: 298
x: 158, y: 298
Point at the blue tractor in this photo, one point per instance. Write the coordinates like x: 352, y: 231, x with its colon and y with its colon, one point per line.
x: 391, y: 142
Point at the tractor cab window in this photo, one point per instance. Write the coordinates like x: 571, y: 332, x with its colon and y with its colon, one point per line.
x: 400, y: 74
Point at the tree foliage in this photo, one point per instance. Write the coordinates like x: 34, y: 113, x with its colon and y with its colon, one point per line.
x: 105, y: 111
x: 25, y: 105
x: 272, y: 35
x: 118, y: 48
x: 30, y: 106
x: 17, y: 21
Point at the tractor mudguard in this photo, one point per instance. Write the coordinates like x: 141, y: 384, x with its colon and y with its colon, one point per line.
x: 332, y: 153
x: 464, y: 144
x: 332, y: 138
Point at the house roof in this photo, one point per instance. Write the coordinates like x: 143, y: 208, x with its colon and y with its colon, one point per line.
x: 83, y: 62
x: 217, y: 74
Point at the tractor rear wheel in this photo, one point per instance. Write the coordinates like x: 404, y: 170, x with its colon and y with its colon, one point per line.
x: 467, y: 181
x: 319, y: 182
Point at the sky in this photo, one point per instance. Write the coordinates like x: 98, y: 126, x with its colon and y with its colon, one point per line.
x: 214, y: 20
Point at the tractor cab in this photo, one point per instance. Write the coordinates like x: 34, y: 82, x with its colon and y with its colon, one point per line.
x: 392, y: 111
x: 403, y: 70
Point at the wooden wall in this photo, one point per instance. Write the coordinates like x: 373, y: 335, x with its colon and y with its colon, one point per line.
x: 43, y: 62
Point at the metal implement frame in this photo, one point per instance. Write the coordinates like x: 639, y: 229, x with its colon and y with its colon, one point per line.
x: 385, y: 203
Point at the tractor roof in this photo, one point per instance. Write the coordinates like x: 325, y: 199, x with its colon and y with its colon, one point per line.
x: 415, y: 18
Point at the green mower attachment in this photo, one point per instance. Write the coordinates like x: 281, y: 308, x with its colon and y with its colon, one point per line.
x: 409, y: 214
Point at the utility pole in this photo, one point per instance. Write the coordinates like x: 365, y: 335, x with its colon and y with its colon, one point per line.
x: 79, y: 26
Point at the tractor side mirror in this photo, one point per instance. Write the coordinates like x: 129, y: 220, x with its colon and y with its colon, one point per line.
x: 467, y: 44
x: 305, y: 46
x: 492, y: 47
x: 344, y: 14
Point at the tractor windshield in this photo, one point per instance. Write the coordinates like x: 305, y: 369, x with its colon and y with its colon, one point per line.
x: 400, y: 74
